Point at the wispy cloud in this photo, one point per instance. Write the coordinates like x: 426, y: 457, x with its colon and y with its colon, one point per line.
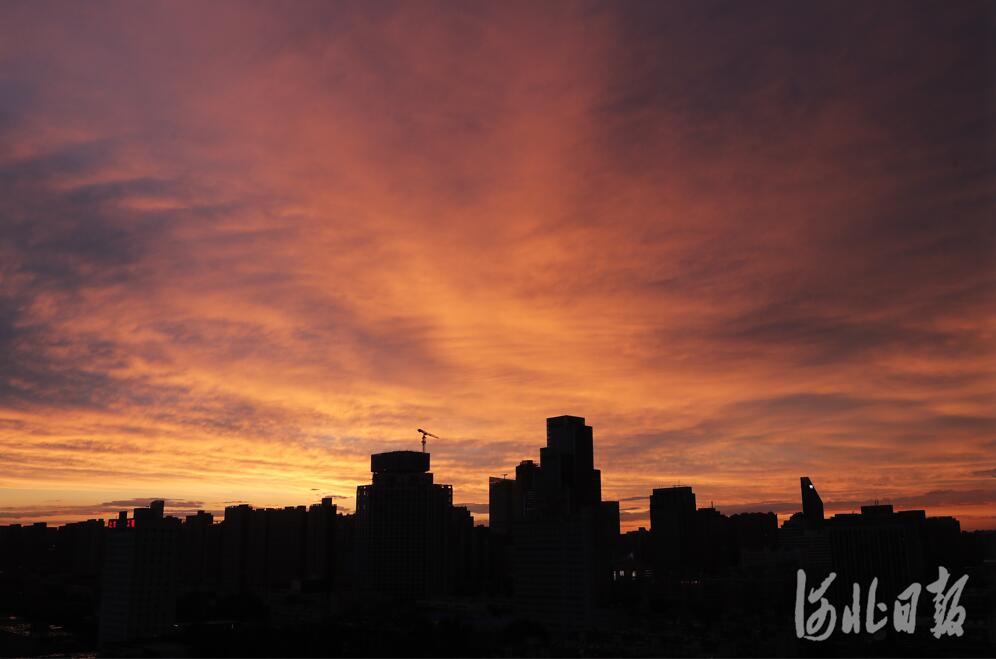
x: 746, y: 244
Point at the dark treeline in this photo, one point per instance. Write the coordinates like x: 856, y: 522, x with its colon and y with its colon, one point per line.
x: 408, y: 573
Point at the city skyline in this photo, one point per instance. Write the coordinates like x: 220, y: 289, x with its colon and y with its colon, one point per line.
x: 552, y: 570
x: 480, y: 512
x: 245, y: 246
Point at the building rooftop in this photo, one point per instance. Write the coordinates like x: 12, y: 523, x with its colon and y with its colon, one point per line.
x: 399, y: 462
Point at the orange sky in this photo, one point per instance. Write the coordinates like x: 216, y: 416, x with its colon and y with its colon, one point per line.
x: 245, y: 245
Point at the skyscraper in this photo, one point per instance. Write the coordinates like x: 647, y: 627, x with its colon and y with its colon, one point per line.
x: 812, y: 504
x: 569, y: 479
x: 403, y: 523
x: 560, y: 547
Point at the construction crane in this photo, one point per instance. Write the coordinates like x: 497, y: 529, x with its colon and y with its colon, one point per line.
x: 426, y: 433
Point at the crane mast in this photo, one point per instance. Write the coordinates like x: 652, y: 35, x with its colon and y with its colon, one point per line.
x: 426, y: 433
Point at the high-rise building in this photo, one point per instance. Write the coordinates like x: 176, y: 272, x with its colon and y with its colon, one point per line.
x: 812, y: 504
x: 502, y: 500
x: 804, y: 535
x: 197, y: 569
x: 672, y: 529
x: 275, y: 549
x: 568, y: 479
x: 138, y: 598
x: 403, y: 529
x: 321, y: 538
x: 561, y: 532
x: 235, y: 547
x: 286, y: 543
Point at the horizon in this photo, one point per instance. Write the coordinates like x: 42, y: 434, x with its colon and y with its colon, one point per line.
x: 244, y: 246
x: 630, y: 518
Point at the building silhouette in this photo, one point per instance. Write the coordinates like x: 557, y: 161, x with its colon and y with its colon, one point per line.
x: 878, y: 543
x: 198, y: 549
x: 812, y: 504
x: 403, y: 528
x: 79, y: 547
x: 320, y: 542
x: 561, y: 534
x: 504, y: 505
x: 672, y: 529
x: 755, y: 536
x: 551, y: 574
x: 139, y: 581
x: 235, y: 548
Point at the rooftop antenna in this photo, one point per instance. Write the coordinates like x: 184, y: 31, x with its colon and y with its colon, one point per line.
x: 426, y: 433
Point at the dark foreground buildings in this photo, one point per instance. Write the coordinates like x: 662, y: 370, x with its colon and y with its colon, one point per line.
x: 558, y: 534
x: 410, y: 573
x: 406, y: 530
x: 138, y: 594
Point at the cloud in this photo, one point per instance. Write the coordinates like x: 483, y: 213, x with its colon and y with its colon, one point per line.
x: 82, y: 511
x: 745, y: 244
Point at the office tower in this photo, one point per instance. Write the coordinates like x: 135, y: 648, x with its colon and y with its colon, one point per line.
x: 812, y: 504
x: 804, y: 535
x: 560, y: 545
x: 403, y: 523
x: 569, y: 481
x: 555, y: 572
x: 672, y: 524
x: 139, y: 578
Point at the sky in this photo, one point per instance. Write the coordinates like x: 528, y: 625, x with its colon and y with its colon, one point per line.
x: 245, y: 245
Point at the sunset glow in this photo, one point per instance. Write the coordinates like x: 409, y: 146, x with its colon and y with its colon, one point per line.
x: 244, y: 246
